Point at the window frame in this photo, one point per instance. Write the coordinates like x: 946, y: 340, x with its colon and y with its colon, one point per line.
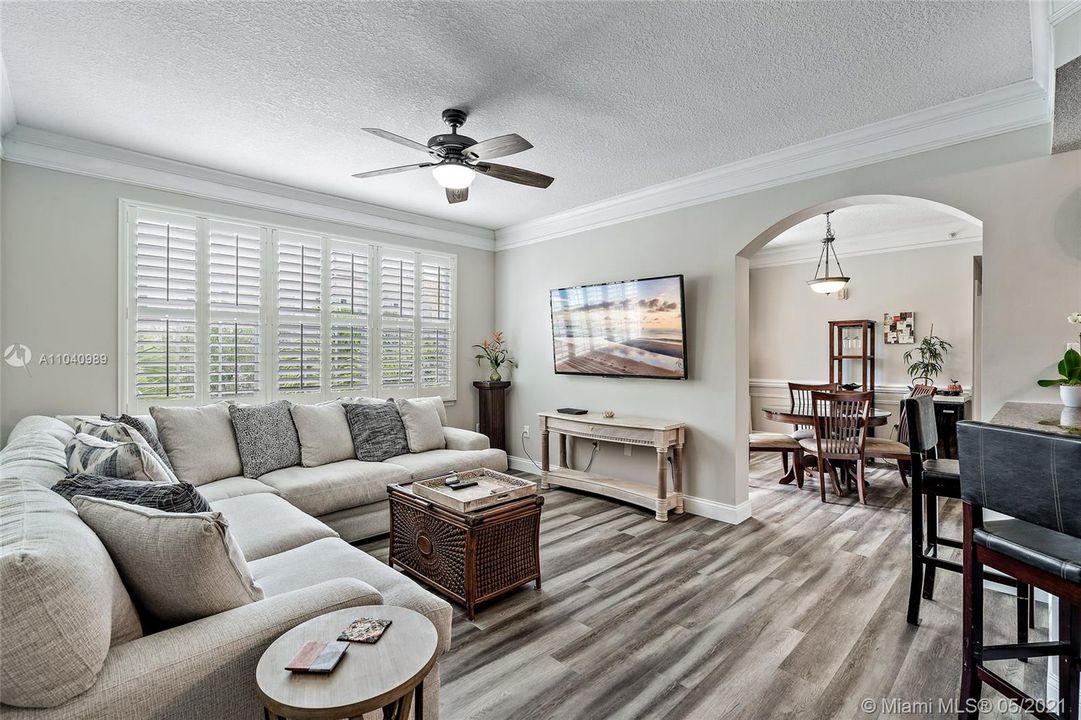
x: 270, y: 316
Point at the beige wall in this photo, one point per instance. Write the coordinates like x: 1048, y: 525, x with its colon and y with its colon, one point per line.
x: 60, y: 286
x: 1031, y: 209
x: 789, y: 336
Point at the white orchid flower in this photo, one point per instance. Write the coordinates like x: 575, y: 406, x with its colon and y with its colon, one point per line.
x: 1074, y: 319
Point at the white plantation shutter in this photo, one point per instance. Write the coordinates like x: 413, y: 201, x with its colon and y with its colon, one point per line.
x: 221, y: 309
x: 299, y: 356
x: 349, y: 316
x: 164, y: 353
x: 436, y: 325
x: 397, y: 357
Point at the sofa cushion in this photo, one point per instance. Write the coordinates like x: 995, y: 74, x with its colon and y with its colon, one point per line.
x: 324, y: 434
x: 179, y: 566
x: 329, y: 488
x: 145, y: 429
x: 423, y: 429
x: 335, y: 558
x: 170, y: 497
x: 377, y: 430
x: 439, y: 462
x: 234, y: 487
x: 63, y: 602
x: 266, y: 437
x: 200, y: 442
x: 265, y: 524
x: 130, y: 459
x: 459, y: 439
x: 36, y: 450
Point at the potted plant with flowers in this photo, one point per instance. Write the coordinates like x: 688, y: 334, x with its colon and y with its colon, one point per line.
x: 495, y: 352
x: 1069, y: 367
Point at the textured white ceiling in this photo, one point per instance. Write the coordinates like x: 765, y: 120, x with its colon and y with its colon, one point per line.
x: 874, y: 226
x: 615, y: 96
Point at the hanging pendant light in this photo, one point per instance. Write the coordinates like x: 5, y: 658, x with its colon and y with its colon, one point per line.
x: 827, y: 283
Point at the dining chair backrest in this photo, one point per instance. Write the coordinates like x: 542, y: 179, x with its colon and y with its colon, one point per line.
x: 840, y: 421
x: 902, y: 420
x: 800, y: 393
x: 1032, y: 476
x: 919, y: 426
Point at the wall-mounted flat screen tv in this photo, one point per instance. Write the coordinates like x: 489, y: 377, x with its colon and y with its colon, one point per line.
x: 633, y: 328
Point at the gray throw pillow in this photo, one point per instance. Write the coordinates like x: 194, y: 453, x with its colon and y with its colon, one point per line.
x: 378, y: 432
x: 171, y: 497
x: 423, y: 428
x: 131, y: 459
x: 324, y: 434
x: 266, y: 436
x: 178, y: 567
x: 144, y: 429
x: 200, y: 442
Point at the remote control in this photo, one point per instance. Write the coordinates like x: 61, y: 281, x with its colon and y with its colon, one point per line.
x: 463, y: 484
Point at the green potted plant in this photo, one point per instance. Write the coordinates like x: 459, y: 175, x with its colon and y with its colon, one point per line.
x: 1069, y: 367
x: 932, y: 351
x: 494, y: 351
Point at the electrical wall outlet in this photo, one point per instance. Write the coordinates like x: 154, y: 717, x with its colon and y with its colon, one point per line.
x: 525, y: 430
x: 478, y: 427
x: 627, y: 450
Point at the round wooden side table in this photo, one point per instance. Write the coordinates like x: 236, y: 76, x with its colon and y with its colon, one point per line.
x: 381, y: 676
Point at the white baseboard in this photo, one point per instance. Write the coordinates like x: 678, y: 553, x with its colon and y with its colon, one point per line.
x: 731, y: 514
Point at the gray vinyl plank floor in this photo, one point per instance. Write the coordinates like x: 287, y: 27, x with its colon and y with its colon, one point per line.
x: 798, y: 612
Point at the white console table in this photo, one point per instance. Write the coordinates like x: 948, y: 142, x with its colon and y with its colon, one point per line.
x: 660, y: 435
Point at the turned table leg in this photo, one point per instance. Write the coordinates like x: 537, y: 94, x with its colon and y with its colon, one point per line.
x: 677, y: 473
x: 662, y: 484
x: 562, y: 450
x: 545, y: 462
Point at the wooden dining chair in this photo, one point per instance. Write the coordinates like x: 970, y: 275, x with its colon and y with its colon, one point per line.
x: 840, y: 424
x: 800, y: 396
x: 779, y: 443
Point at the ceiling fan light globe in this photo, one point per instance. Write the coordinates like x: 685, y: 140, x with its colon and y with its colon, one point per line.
x: 453, y: 176
x: 828, y: 285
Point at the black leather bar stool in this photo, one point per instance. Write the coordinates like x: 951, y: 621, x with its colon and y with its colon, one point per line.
x: 1035, y: 478
x: 934, y: 478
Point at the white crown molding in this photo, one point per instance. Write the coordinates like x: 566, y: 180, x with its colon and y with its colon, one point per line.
x: 731, y: 514
x: 859, y: 245
x: 1067, y: 9
x: 30, y: 146
x: 1013, y: 107
x: 7, y: 102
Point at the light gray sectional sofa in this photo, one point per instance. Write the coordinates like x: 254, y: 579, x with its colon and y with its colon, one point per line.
x: 71, y: 642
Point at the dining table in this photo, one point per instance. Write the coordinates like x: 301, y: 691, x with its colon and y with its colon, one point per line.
x: 791, y: 413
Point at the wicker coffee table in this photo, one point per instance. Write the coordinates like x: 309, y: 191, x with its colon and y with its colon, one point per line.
x: 470, y: 557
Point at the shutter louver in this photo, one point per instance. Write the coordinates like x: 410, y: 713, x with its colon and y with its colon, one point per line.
x: 165, y: 261
x: 234, y: 359
x: 348, y: 357
x: 435, y: 291
x: 299, y: 356
x: 164, y: 358
x: 397, y: 289
x: 436, y: 328
x: 397, y: 356
x: 300, y: 273
x: 349, y: 281
x: 435, y: 353
x: 234, y: 266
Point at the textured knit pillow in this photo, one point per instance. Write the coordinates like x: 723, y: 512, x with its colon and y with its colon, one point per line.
x: 143, y: 428
x: 178, y: 567
x: 266, y: 436
x: 378, y: 432
x: 423, y: 428
x: 170, y: 497
x: 132, y: 460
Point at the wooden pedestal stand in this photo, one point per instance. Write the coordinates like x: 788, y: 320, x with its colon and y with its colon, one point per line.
x: 493, y: 411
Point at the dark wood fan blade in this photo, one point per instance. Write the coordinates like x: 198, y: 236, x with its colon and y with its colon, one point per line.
x: 457, y: 196
x: 514, y: 175
x: 498, y: 147
x: 391, y: 171
x: 387, y: 135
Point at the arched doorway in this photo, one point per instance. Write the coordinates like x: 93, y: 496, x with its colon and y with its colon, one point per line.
x: 783, y: 325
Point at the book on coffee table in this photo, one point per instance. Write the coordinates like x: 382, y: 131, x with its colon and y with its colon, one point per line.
x: 317, y: 656
x: 365, y: 630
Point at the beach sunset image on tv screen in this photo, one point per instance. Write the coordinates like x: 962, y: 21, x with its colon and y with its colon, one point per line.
x: 632, y: 328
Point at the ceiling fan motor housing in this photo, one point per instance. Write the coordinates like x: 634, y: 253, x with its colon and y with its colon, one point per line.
x: 450, y: 146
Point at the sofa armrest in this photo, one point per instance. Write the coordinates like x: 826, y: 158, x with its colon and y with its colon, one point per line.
x: 204, y: 668
x: 459, y: 439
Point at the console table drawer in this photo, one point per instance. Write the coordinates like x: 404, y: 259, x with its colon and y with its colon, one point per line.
x: 635, y: 436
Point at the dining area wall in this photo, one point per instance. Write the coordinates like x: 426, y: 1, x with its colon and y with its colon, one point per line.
x: 789, y: 338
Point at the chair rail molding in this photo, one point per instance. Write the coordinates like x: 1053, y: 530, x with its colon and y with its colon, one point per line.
x: 771, y: 388
x: 1016, y: 106
x: 29, y: 146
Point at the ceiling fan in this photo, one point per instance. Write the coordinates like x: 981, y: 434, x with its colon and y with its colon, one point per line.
x: 457, y: 159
